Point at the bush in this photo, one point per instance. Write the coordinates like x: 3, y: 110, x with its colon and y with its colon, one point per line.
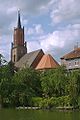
x: 36, y: 101
x: 48, y: 103
x: 44, y: 104
x: 63, y: 101
x: 79, y: 102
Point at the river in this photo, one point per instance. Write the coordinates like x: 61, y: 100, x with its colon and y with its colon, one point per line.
x: 12, y: 114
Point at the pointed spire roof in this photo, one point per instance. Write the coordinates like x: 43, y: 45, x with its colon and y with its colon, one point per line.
x: 47, y: 62
x: 19, y: 21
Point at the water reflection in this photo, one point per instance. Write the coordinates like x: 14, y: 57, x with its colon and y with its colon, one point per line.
x: 11, y: 114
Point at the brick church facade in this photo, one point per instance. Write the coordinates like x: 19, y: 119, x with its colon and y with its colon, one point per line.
x: 19, y: 55
x: 19, y: 45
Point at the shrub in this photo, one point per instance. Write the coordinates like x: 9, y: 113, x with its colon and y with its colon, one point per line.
x: 36, y: 101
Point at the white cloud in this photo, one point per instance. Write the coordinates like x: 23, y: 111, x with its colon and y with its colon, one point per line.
x: 25, y: 22
x: 35, y: 30
x: 59, y: 11
x: 66, y: 10
x: 39, y: 29
x: 57, y: 42
x: 5, y: 45
x: 33, y: 45
x: 11, y: 10
x: 30, y: 31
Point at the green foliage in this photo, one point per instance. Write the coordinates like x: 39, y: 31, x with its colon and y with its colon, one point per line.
x: 6, y: 84
x: 47, y: 89
x: 74, y: 87
x: 48, y: 103
x: 36, y: 101
x: 79, y: 102
x: 54, y: 82
x: 28, y: 85
x: 44, y: 104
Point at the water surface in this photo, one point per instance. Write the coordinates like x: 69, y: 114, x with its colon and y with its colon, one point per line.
x: 11, y: 114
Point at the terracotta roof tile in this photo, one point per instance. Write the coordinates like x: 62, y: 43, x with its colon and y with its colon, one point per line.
x: 73, y: 54
x: 47, y: 62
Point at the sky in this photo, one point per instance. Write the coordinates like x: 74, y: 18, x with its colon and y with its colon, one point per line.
x: 51, y: 25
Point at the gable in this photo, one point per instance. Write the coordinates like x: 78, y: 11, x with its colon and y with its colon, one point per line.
x: 30, y: 59
x: 47, y: 62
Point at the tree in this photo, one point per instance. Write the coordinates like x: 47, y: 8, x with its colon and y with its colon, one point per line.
x: 74, y: 87
x: 27, y: 85
x: 6, y: 83
x: 54, y: 82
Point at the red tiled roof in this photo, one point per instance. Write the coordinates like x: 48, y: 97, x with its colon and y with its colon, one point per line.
x: 47, y: 62
x: 73, y: 54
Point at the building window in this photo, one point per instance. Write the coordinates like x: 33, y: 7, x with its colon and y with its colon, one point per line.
x: 76, y: 63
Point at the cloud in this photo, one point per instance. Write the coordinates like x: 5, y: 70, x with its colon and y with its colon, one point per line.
x: 11, y: 10
x: 34, y: 6
x: 66, y: 10
x: 8, y: 15
x: 8, y: 19
x: 57, y: 42
x: 33, y: 45
x: 5, y: 46
x: 36, y: 29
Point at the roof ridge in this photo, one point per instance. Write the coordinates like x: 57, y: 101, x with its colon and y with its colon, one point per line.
x: 47, y: 55
x: 74, y: 53
x: 47, y: 62
x: 35, y: 51
x: 55, y: 62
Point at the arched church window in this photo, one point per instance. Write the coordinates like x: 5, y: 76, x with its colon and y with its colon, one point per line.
x: 14, y: 58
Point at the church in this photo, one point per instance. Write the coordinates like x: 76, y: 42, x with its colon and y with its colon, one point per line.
x: 22, y: 59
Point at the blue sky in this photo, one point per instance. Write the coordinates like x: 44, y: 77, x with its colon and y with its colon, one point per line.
x: 53, y: 25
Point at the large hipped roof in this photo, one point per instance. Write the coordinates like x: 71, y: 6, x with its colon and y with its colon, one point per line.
x: 47, y: 62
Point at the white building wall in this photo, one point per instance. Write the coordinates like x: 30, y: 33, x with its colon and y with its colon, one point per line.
x: 72, y: 63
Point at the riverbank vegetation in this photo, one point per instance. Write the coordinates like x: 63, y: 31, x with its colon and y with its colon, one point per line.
x: 44, y: 89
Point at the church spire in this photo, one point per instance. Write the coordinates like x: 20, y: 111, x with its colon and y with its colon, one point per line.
x: 19, y: 48
x: 19, y: 21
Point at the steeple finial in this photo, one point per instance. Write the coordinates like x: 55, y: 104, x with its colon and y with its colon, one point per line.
x: 19, y: 21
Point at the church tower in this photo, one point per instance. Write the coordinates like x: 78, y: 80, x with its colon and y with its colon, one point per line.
x: 18, y: 47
